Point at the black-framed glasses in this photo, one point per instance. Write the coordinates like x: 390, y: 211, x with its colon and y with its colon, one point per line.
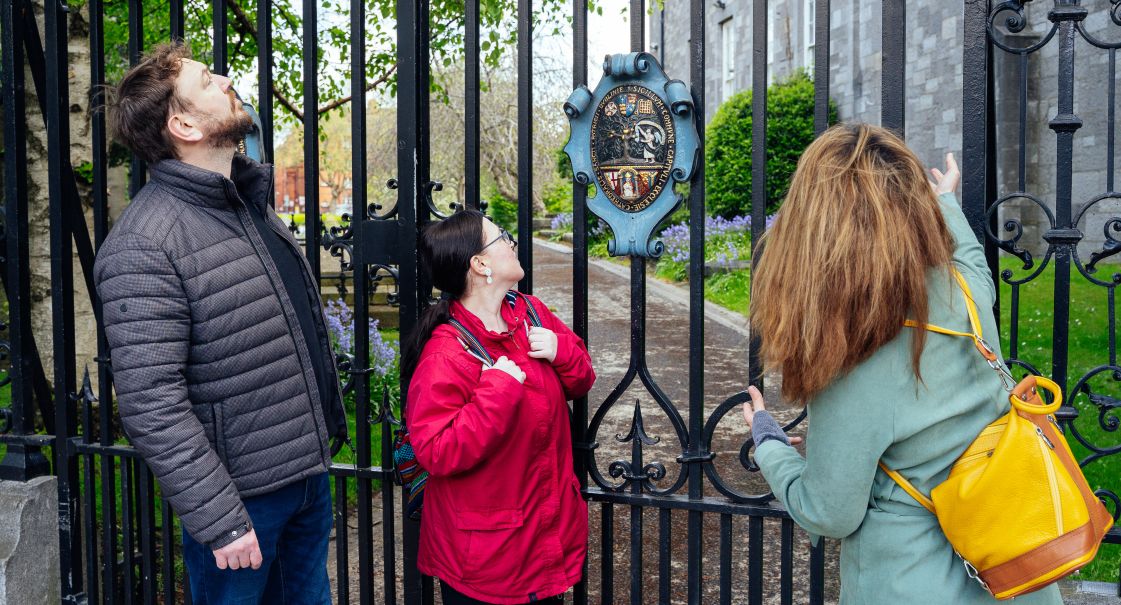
x: 503, y: 235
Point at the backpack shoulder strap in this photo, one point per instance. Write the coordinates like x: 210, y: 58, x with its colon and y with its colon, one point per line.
x: 907, y: 487
x: 470, y: 343
x: 974, y: 322
x: 534, y: 318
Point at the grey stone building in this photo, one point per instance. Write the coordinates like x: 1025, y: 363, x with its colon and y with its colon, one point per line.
x: 935, y: 38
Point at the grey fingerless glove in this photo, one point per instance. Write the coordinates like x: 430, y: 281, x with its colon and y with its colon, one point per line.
x: 764, y: 427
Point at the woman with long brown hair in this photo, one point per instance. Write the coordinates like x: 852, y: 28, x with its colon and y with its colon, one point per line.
x: 863, y: 243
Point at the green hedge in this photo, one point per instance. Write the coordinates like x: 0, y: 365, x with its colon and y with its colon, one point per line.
x: 790, y: 129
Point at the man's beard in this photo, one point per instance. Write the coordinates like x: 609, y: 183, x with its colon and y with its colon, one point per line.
x: 227, y: 133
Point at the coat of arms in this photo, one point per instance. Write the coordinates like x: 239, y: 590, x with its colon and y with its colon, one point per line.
x: 633, y: 139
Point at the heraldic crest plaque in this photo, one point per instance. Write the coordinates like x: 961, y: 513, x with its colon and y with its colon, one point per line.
x: 633, y: 138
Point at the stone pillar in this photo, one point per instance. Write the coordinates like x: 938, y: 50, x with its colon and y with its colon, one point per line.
x: 29, y: 570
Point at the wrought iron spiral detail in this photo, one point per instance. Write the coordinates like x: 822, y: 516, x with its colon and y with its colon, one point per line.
x: 1011, y: 245
x: 1111, y: 245
x: 1014, y: 23
x: 1107, y: 408
x: 345, y: 364
x: 650, y: 473
x: 428, y: 188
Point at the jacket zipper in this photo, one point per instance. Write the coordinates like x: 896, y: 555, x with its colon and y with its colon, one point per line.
x: 1045, y: 447
x: 277, y: 292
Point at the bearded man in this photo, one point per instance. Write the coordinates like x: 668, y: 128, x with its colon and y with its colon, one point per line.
x: 225, y: 379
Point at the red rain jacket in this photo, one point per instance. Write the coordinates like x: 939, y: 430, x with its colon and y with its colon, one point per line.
x: 503, y: 519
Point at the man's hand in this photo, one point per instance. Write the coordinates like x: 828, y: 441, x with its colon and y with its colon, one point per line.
x: 542, y: 344
x: 239, y: 554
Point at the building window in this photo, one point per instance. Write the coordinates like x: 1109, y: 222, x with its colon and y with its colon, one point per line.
x: 810, y: 33
x: 728, y: 59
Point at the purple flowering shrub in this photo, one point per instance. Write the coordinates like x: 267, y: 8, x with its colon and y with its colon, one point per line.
x: 384, y: 356
x: 726, y: 241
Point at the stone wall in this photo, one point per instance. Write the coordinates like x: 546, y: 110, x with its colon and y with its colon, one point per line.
x: 935, y: 38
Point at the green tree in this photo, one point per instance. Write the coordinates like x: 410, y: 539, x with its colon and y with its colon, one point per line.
x: 790, y: 129
x: 498, y: 26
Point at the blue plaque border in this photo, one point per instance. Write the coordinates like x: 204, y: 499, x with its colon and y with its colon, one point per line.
x: 631, y: 231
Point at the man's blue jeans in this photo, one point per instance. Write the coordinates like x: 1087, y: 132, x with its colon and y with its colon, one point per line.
x: 293, y: 525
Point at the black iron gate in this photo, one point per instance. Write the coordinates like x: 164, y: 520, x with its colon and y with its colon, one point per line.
x: 117, y: 537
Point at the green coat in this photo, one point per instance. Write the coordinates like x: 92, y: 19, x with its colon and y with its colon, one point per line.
x: 892, y: 549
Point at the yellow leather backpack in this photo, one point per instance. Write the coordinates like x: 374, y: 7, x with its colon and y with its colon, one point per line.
x: 1016, y: 506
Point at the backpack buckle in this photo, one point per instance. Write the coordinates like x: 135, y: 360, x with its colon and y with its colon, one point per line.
x: 972, y: 572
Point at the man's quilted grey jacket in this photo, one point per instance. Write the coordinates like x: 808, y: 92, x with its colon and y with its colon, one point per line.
x: 213, y: 376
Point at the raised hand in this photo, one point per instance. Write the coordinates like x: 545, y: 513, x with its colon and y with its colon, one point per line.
x: 946, y: 182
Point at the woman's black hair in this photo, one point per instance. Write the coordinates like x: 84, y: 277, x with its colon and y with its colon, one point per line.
x: 446, y: 248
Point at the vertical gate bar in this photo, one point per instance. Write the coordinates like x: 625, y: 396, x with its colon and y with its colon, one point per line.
x: 389, y: 546
x: 342, y: 540
x: 88, y: 465
x: 893, y: 83
x: 638, y: 25
x: 167, y: 535
x: 409, y: 211
x: 755, y: 560
x: 1065, y: 123
x: 147, y: 547
x: 424, y: 173
x: 1110, y: 122
x: 1111, y: 296
x: 361, y: 301
x: 311, y: 135
x: 89, y: 504
x: 221, y: 32
x: 580, y: 272
x: 137, y: 169
x: 817, y: 573
x: 62, y: 298
x: 471, y: 104
x: 974, y: 133
x: 126, y: 529
x: 665, y: 554
x: 696, y: 300
x: 525, y: 143
x: 264, y: 76
x: 758, y: 166
x: 637, y: 15
x: 100, y: 231
x: 20, y: 462
x: 175, y: 19
x: 821, y: 66
x: 1023, y: 122
x: 636, y: 549
x: 726, y: 560
x: 607, y: 554
x: 638, y: 344
x: 786, y: 570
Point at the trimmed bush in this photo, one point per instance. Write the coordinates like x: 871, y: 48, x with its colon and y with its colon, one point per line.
x: 503, y: 212
x: 790, y: 129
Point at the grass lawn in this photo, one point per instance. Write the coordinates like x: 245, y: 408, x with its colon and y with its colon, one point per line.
x: 1088, y: 349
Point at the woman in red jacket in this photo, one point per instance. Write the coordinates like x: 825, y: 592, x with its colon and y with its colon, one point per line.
x: 503, y: 518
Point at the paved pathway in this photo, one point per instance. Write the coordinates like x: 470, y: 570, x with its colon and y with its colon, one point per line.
x: 725, y: 355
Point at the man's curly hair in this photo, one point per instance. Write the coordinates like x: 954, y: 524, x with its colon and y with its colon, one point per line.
x: 141, y: 102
